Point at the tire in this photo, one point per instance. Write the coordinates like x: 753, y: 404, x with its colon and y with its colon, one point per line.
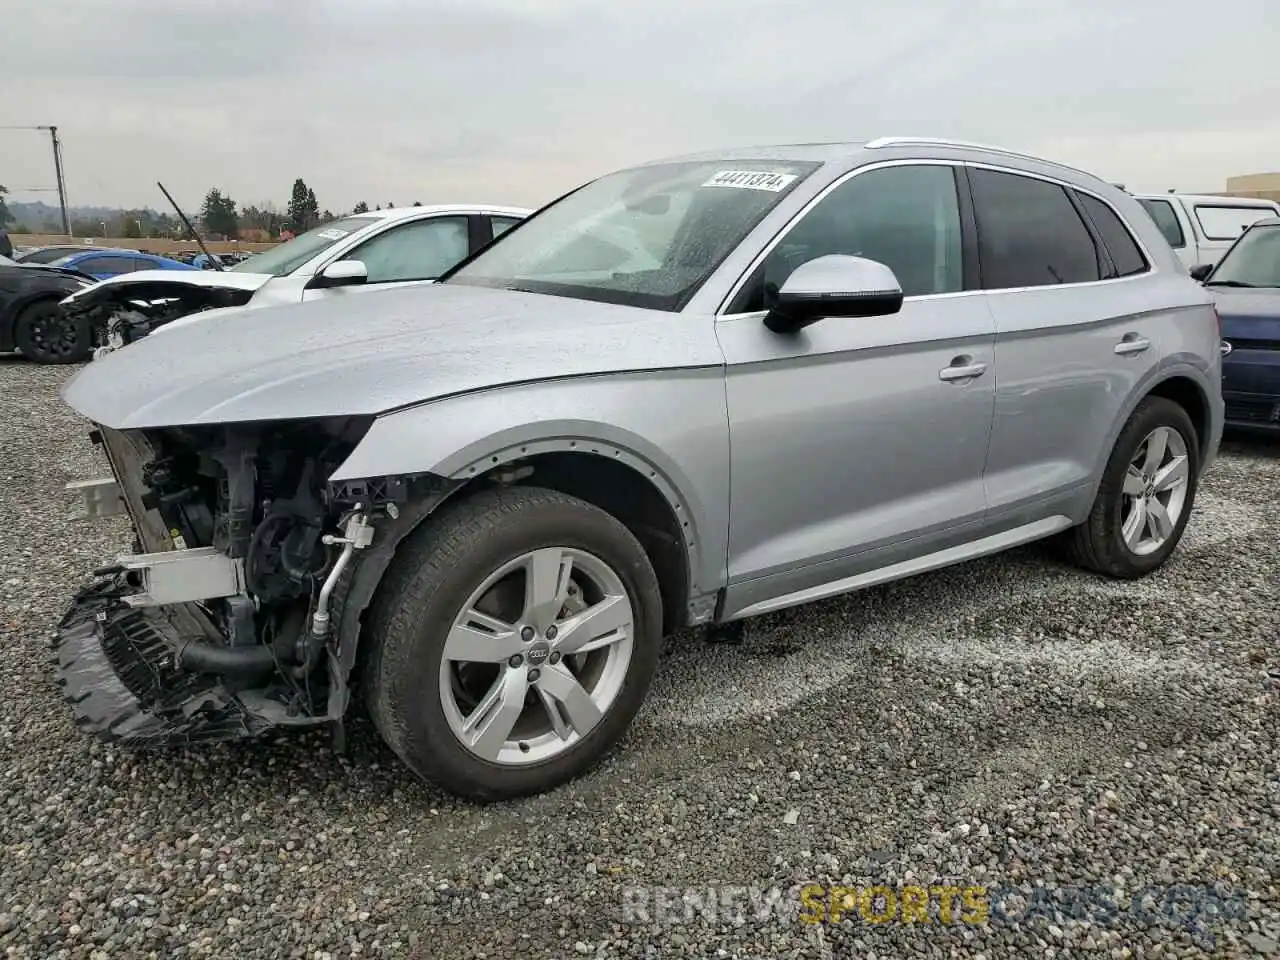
x: 45, y: 334
x: 412, y: 691
x: 1099, y: 544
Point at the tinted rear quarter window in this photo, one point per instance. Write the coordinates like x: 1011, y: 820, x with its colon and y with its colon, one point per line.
x: 1029, y: 233
x: 1125, y: 252
x: 1167, y: 220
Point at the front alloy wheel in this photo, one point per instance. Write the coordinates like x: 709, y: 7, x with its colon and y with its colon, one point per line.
x: 45, y: 334
x: 537, y: 656
x: 512, y: 642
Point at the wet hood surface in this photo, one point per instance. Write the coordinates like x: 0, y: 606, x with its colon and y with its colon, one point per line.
x: 371, y: 353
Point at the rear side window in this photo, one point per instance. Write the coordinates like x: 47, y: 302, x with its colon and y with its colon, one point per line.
x: 1029, y: 233
x: 1224, y: 222
x: 1162, y: 213
x: 1124, y: 250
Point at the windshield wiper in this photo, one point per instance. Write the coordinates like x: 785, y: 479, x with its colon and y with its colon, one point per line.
x: 1228, y: 283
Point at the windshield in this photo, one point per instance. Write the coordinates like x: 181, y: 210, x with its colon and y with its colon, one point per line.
x: 1253, y: 262
x: 289, y: 256
x: 646, y: 237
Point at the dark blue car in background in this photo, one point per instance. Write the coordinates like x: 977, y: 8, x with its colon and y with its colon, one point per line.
x: 101, y: 264
x: 1246, y: 286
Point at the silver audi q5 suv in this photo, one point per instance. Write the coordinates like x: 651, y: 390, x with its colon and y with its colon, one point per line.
x: 683, y: 394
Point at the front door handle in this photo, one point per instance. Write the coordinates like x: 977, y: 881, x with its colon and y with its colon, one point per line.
x: 1132, y: 343
x: 962, y: 368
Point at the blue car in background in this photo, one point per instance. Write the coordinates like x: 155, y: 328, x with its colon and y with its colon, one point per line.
x: 1246, y: 287
x: 101, y: 264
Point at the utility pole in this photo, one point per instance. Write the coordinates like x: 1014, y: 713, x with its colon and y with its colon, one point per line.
x: 62, y: 186
x: 57, y: 169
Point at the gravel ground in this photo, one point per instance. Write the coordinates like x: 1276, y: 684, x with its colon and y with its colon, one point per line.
x: 1011, y: 724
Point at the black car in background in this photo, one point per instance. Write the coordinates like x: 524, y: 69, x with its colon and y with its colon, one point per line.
x: 30, y: 319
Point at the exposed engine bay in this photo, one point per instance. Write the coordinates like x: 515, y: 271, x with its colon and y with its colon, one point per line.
x: 223, y: 622
x: 121, y: 314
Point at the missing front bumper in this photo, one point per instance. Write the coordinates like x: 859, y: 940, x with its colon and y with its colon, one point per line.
x: 115, y: 665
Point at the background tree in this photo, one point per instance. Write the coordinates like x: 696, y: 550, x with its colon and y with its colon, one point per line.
x: 219, y: 214
x: 360, y: 207
x: 417, y: 203
x: 267, y: 219
x: 304, y: 211
x: 6, y: 217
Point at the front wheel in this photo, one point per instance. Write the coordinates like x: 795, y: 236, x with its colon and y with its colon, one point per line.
x: 45, y: 334
x: 1145, y: 498
x: 515, y: 638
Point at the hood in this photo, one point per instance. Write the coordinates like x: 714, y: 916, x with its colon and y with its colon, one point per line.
x: 61, y: 271
x: 366, y: 354
x: 199, y: 315
x: 1248, y: 315
x: 208, y: 279
x: 1245, y: 302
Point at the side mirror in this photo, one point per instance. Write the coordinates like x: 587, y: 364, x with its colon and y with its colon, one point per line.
x: 1201, y: 272
x: 834, y: 286
x: 342, y: 273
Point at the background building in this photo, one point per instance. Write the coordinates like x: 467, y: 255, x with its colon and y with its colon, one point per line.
x: 1263, y: 185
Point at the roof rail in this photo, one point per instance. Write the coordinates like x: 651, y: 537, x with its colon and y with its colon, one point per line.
x: 881, y: 142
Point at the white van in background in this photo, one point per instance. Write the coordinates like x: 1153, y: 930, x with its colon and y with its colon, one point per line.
x: 1201, y: 227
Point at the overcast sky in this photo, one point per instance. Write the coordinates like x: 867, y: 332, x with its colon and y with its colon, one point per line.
x: 518, y: 100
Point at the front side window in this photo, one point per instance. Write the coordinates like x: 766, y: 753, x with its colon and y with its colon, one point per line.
x: 1162, y: 213
x: 1125, y: 252
x: 907, y: 218
x: 1029, y: 233
x: 421, y: 250
x: 282, y: 260
x: 645, y: 237
x: 502, y: 224
x: 1253, y: 262
x: 1223, y: 222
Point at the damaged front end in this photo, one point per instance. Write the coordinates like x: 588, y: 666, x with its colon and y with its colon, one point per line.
x: 121, y: 312
x: 227, y: 619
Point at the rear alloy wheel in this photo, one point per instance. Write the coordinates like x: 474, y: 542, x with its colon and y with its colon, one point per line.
x: 517, y: 634
x: 45, y: 334
x: 1146, y: 495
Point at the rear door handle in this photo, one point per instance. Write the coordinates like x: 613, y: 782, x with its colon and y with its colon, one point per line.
x: 1132, y: 343
x: 962, y: 368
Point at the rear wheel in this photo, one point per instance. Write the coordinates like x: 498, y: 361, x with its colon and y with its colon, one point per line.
x: 1146, y: 495
x: 515, y: 638
x: 45, y: 334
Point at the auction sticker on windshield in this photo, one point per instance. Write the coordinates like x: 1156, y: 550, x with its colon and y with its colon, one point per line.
x: 332, y: 234
x: 751, y: 180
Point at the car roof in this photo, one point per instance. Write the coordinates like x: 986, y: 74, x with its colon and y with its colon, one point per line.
x: 105, y: 252
x: 397, y: 213
x: 848, y: 154
x: 1266, y: 222
x: 1211, y: 198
